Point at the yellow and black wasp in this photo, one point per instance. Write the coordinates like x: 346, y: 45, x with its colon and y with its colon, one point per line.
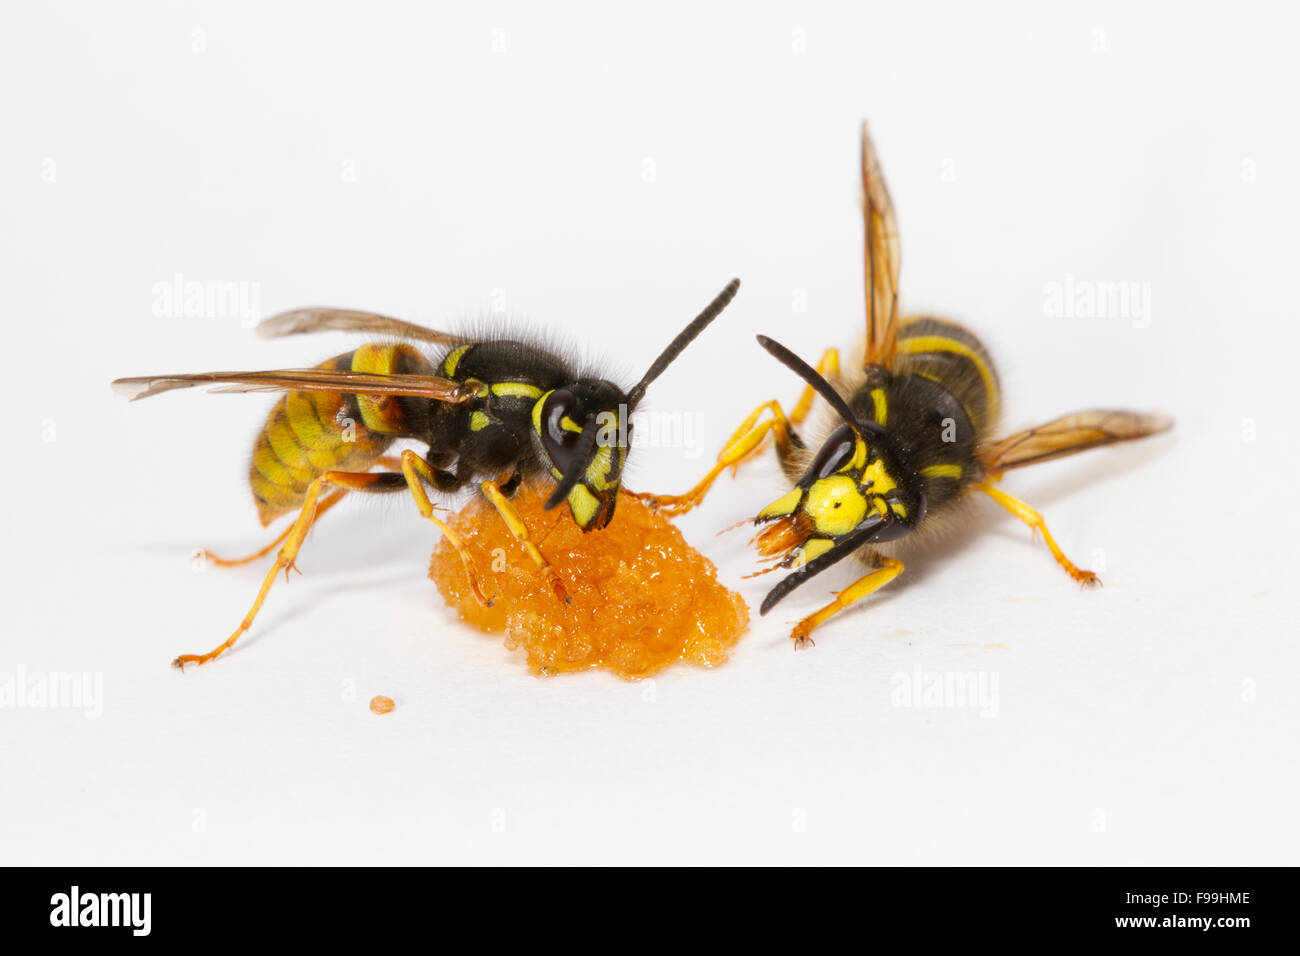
x: 910, y: 437
x: 492, y: 411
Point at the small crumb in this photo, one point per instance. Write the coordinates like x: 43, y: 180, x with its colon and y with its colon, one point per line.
x: 381, y: 705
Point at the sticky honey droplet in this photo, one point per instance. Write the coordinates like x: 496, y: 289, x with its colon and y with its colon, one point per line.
x: 381, y: 704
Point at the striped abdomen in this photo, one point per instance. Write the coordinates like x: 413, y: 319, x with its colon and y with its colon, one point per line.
x: 309, y: 433
x: 951, y: 356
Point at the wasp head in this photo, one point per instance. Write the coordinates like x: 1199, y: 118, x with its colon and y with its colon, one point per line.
x: 583, y: 431
x: 849, y: 482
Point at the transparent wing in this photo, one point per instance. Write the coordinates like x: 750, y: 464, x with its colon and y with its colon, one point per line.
x: 882, y: 258
x: 319, y: 319
x: 1070, y: 434
x: 301, y: 380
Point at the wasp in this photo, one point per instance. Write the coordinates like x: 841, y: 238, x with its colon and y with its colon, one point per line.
x: 493, y: 412
x: 911, y: 437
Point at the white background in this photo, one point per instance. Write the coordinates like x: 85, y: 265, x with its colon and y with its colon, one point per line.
x: 603, y: 173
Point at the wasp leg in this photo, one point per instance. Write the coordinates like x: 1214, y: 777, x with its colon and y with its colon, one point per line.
x: 416, y: 471
x: 1032, y: 518
x: 745, y: 442
x: 890, y: 569
x: 517, y: 528
x: 741, y: 445
x: 326, y: 503
x: 371, y: 482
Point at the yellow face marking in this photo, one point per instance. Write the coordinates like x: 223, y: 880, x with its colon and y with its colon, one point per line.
x: 941, y: 343
x: 898, y: 508
x: 835, y: 505
x: 784, y: 505
x: 479, y: 421
x: 452, y: 360
x: 881, y: 481
x: 882, y: 405
x: 859, y: 457
x: 516, y: 390
x: 598, y: 470
x: 569, y: 425
x: 942, y: 471
x: 583, y: 504
x: 814, y: 548
x: 537, y: 412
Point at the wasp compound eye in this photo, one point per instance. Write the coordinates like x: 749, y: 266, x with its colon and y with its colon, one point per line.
x: 560, y: 432
x: 835, y: 453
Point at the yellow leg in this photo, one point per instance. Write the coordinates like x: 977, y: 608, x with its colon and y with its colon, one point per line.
x: 326, y: 503
x: 417, y: 471
x: 743, y: 443
x: 890, y: 569
x: 520, y: 530
x: 311, y: 508
x: 1032, y: 518
x: 828, y: 366
x: 746, y: 440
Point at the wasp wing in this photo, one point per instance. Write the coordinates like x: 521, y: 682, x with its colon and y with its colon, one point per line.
x: 320, y: 319
x: 1070, y: 434
x: 882, y: 258
x: 302, y: 380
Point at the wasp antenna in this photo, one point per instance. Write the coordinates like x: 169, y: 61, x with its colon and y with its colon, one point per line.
x: 581, y: 459
x: 684, y: 338
x: 842, y: 549
x: 819, y: 384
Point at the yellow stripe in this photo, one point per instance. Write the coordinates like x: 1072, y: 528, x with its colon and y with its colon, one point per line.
x: 516, y: 390
x: 942, y: 343
x: 375, y: 360
x: 276, y: 472
x: 537, y: 412
x: 305, y: 419
x: 279, y: 433
x: 882, y: 405
x: 452, y: 360
x: 943, y: 471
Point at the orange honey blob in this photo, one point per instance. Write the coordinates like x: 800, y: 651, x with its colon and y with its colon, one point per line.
x: 641, y: 597
x: 381, y: 704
